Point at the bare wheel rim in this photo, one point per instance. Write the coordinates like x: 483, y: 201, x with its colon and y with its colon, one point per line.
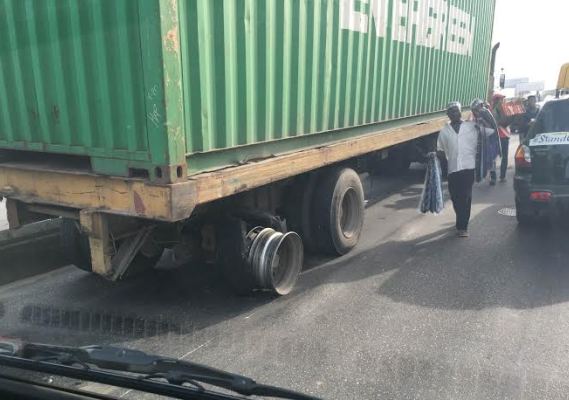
x: 275, y: 259
x: 349, y: 213
x: 287, y: 263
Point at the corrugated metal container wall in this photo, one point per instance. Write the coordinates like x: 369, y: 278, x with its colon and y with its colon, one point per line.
x: 71, y: 78
x: 256, y: 71
x: 148, y: 83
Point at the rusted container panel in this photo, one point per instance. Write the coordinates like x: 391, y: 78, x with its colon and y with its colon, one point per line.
x: 183, y: 86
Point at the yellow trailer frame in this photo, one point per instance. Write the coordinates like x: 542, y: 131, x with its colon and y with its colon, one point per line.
x: 95, y: 197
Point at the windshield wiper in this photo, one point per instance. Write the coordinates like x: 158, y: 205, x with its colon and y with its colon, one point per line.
x: 156, y: 374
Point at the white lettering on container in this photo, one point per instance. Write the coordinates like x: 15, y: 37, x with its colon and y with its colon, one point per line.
x: 432, y: 32
x: 400, y: 20
x: 358, y: 21
x: 460, y: 32
x: 351, y: 19
x: 429, y: 20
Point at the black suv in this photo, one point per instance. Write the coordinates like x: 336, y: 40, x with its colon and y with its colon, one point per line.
x: 541, y: 181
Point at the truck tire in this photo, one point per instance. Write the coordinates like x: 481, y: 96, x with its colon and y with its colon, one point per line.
x: 231, y: 251
x: 298, y: 210
x: 338, y: 211
x: 75, y: 246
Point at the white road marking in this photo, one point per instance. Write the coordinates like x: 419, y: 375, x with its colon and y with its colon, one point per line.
x: 250, y: 315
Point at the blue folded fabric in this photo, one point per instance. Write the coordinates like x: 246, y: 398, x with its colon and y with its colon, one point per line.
x: 432, y: 197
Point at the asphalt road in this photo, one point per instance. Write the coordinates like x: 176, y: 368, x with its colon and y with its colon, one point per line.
x: 413, y: 313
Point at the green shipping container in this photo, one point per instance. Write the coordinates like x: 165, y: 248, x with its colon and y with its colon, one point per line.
x: 167, y: 88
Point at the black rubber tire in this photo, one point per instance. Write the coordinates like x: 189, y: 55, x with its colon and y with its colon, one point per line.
x: 524, y: 219
x: 298, y: 211
x: 231, y: 255
x: 75, y: 245
x: 338, y: 211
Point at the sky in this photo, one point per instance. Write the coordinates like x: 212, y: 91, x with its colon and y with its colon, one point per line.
x: 533, y: 38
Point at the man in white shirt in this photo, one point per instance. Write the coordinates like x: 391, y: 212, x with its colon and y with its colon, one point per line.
x: 459, y: 141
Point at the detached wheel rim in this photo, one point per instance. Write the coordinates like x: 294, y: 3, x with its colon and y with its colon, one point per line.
x: 349, y: 213
x: 287, y: 263
x: 275, y: 259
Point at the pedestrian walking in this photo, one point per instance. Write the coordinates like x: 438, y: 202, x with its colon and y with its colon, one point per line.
x: 459, y: 141
x: 489, y: 148
x: 504, y: 123
x: 532, y: 109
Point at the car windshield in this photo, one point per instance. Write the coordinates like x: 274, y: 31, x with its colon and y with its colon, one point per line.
x: 554, y: 117
x: 327, y: 197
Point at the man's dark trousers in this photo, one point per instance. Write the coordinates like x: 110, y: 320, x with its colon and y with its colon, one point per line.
x: 504, y: 143
x: 460, y: 188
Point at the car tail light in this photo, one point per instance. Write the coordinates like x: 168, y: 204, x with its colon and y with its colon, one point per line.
x: 523, y: 157
x: 540, y: 196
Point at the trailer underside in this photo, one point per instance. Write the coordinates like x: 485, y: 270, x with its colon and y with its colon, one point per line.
x: 107, y: 208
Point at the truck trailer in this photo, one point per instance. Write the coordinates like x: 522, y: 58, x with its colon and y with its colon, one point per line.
x: 228, y: 130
